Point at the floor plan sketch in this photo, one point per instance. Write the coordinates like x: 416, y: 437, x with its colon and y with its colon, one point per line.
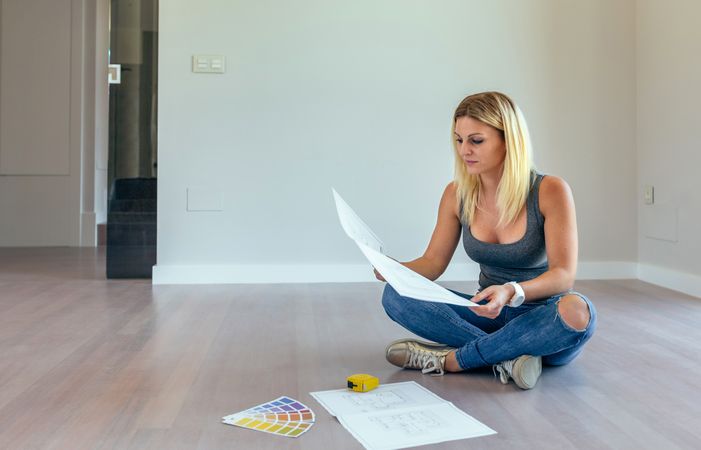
x: 384, y: 398
x: 399, y: 415
x: 412, y: 423
x: 376, y: 401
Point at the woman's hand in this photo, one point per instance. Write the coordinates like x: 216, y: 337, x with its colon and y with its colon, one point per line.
x: 378, y: 275
x: 497, y: 296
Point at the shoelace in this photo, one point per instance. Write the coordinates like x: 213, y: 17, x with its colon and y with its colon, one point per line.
x: 504, y: 369
x: 428, y: 361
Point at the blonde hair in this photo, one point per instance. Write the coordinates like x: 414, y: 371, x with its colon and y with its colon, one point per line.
x: 499, y: 111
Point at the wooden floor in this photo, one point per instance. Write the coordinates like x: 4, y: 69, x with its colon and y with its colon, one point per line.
x: 92, y: 363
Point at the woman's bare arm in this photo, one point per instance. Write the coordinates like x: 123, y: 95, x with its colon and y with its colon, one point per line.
x: 444, y: 239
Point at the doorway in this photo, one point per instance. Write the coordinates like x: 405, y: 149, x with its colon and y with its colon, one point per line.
x: 132, y: 138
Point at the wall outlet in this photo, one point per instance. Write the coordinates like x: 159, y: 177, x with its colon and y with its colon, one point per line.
x: 649, y: 195
x: 204, y: 199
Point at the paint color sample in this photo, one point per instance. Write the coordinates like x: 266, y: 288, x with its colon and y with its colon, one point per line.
x: 283, y: 416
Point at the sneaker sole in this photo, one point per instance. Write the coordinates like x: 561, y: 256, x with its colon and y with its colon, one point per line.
x: 432, y: 345
x: 526, y: 371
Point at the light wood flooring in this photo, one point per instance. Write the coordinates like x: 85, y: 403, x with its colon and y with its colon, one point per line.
x: 89, y: 363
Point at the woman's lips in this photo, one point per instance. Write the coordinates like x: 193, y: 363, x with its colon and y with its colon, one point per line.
x: 470, y: 162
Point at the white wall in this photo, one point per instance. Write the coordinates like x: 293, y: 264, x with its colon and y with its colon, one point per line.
x: 359, y: 95
x: 42, y: 93
x: 669, y: 153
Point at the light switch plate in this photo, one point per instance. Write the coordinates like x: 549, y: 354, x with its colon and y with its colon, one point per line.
x: 208, y: 63
x: 649, y: 195
x: 114, y: 74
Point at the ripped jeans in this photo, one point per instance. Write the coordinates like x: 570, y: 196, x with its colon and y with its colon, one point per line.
x: 534, y: 328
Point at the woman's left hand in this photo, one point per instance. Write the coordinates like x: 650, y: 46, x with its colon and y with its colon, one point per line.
x: 497, y: 297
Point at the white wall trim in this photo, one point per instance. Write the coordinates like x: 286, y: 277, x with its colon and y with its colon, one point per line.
x: 88, y: 233
x: 88, y: 228
x: 348, y: 273
x: 671, y: 279
x: 343, y: 273
x: 268, y: 273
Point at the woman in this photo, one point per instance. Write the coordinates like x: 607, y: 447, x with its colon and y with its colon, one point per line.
x: 520, y: 226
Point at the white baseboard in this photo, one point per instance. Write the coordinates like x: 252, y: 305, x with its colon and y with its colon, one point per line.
x: 342, y: 273
x: 272, y: 273
x: 671, y: 279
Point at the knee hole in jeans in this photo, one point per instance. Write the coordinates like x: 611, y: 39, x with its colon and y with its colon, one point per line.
x: 574, y: 312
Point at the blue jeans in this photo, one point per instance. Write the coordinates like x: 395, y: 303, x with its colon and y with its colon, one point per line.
x: 534, y: 328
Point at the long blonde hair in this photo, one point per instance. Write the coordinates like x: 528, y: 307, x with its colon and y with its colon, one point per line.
x: 499, y: 111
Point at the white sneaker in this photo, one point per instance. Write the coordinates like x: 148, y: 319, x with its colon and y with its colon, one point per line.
x: 416, y: 354
x: 524, y: 370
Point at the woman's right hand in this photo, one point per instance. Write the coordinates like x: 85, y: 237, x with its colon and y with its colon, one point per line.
x: 378, y: 275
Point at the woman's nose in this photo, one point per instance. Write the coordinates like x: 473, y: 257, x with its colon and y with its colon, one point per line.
x: 464, y: 149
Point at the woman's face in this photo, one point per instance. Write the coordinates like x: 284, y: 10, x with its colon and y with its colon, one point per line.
x: 481, y: 146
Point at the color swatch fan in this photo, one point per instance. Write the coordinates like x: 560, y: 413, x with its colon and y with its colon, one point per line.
x: 284, y: 416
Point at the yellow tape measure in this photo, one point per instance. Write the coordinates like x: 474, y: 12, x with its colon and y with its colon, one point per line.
x: 362, y: 382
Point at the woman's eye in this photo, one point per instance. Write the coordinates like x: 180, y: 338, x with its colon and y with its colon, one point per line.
x: 477, y: 141
x: 459, y: 141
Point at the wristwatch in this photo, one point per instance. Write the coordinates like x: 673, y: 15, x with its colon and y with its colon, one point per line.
x: 518, y: 297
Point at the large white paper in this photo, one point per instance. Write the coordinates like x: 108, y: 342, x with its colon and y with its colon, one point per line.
x: 354, y: 226
x: 412, y: 427
x: 387, y: 396
x: 404, y: 280
x: 409, y: 283
x: 399, y: 415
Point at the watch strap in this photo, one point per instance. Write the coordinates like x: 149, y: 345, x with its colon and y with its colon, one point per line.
x: 518, y: 297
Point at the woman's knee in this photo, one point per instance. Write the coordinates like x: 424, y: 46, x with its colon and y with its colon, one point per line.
x: 574, y: 311
x: 563, y: 357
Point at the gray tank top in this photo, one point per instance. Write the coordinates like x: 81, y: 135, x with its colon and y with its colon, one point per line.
x: 519, y: 261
